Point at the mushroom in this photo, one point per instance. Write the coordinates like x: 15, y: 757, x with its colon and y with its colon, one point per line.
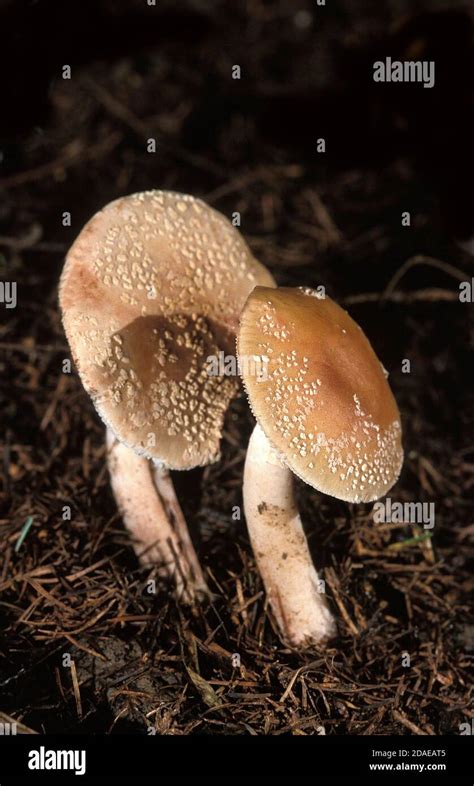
x: 153, y: 286
x: 326, y: 413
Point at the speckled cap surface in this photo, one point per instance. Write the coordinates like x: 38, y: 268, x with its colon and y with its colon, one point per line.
x: 324, y: 402
x: 152, y: 287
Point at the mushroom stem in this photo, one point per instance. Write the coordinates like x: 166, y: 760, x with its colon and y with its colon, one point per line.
x: 147, y: 502
x: 293, y: 588
x: 164, y: 486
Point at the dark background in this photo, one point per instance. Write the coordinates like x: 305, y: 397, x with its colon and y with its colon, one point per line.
x: 334, y: 219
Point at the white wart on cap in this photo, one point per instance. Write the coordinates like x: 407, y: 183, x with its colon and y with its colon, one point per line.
x: 324, y: 402
x: 153, y: 285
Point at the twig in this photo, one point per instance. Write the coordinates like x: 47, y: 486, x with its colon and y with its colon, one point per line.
x: 432, y: 295
x: 60, y: 390
x: 73, y: 155
x: 20, y: 727
x: 142, y: 130
x: 332, y: 581
x: 77, y: 693
x: 408, y: 723
x: 420, y: 259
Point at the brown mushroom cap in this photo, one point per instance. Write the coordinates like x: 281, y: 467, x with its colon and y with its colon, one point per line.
x: 324, y: 403
x: 153, y: 285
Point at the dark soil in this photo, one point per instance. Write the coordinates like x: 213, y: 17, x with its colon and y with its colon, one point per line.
x: 83, y: 645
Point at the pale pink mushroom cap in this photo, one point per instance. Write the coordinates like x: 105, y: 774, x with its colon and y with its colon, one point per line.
x: 153, y: 285
x: 324, y: 403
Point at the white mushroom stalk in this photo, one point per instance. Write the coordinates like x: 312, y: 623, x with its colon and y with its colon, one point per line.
x: 150, y: 510
x: 294, y: 590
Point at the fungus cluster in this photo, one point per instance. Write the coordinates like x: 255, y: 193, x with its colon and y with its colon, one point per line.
x: 156, y: 284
